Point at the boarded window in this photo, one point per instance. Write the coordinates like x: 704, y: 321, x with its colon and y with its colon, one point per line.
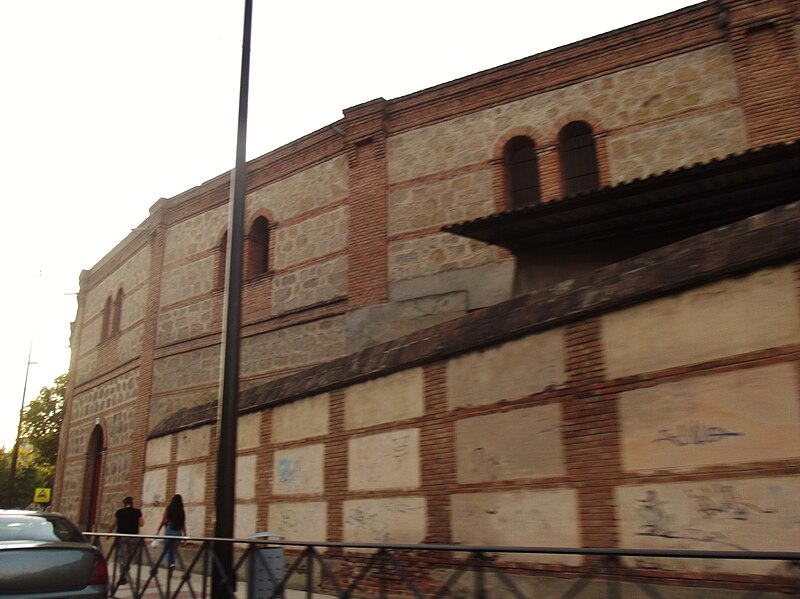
x: 522, y: 172
x: 117, y: 317
x: 578, y: 158
x: 258, y: 251
x: 222, y: 261
x: 105, y: 327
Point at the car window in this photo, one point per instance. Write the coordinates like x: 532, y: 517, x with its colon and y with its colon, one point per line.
x: 35, y: 528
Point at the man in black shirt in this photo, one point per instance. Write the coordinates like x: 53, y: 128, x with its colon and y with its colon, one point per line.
x: 126, y: 521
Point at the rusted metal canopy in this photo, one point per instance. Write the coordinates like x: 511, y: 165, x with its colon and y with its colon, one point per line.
x: 687, y: 201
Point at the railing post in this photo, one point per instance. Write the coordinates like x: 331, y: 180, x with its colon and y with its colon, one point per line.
x: 310, y: 575
x: 480, y: 589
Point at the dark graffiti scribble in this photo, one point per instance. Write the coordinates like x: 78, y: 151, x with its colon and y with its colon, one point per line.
x: 695, y: 434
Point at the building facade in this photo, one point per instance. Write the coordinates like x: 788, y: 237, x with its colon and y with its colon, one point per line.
x: 403, y: 383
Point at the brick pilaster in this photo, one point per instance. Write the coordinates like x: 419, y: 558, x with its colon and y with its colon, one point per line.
x: 150, y: 330
x: 365, y: 136
x: 591, y: 435
x: 761, y: 37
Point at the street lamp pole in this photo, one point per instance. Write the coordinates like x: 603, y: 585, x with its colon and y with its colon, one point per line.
x: 12, y: 471
x: 228, y: 400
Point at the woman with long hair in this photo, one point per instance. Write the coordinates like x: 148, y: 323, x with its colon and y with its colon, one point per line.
x: 174, y: 523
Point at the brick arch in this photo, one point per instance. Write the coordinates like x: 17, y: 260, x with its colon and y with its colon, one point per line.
x: 500, y: 183
x: 265, y: 212
x: 93, y: 476
x: 600, y: 134
x: 259, y: 248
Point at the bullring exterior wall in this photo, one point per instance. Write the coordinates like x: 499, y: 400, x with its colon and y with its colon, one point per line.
x: 560, y: 428
x: 357, y: 258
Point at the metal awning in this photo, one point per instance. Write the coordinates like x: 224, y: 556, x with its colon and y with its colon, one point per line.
x: 688, y: 200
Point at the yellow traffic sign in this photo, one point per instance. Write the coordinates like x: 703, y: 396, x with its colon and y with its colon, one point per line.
x: 42, y: 495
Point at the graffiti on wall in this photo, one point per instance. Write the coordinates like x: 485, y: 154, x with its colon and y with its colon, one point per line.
x: 392, y: 520
x: 695, y: 433
x: 724, y: 515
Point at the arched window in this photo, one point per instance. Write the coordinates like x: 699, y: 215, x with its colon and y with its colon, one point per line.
x: 258, y: 248
x: 578, y: 158
x: 522, y: 172
x: 117, y: 314
x: 105, y: 327
x: 222, y: 261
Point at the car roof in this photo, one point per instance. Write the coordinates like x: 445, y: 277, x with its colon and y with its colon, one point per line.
x: 47, y: 515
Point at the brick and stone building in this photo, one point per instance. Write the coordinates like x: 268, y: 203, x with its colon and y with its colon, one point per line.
x: 556, y: 303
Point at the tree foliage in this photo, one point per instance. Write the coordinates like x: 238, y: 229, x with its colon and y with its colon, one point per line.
x: 36, y: 461
x: 41, y: 423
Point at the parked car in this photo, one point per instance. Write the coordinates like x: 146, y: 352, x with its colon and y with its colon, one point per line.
x: 43, y: 555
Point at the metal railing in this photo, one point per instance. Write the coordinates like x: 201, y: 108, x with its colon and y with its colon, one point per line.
x: 367, y: 570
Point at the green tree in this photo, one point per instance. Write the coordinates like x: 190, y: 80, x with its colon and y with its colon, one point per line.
x: 41, y: 424
x: 38, y: 450
x: 28, y: 478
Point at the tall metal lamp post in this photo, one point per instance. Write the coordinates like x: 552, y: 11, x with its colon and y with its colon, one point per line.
x: 12, y: 471
x: 228, y: 401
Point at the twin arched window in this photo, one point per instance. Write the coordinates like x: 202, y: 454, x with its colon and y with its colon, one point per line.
x: 577, y: 155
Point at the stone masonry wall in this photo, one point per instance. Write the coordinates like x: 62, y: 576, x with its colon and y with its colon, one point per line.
x: 316, y: 187
x: 195, y: 235
x: 672, y: 88
x: 311, y: 238
x: 669, y: 113
x: 313, y: 284
x: 106, y: 396
x: 129, y: 276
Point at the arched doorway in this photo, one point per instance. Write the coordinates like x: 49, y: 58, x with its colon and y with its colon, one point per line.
x: 92, y: 478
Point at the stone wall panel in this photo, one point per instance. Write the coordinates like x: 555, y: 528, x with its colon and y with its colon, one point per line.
x: 107, y: 395
x: 187, y: 281
x: 299, y: 470
x: 310, y: 285
x: 384, y: 461
x: 433, y: 254
x: 300, y: 521
x: 307, y: 417
x: 248, y: 431
x: 194, y: 443
x: 293, y: 347
x: 311, y: 238
x: 461, y: 198
x: 731, y: 317
x: 680, y: 142
x: 191, y: 483
x: 389, y: 520
x: 759, y: 514
x: 386, y: 399
x: 728, y: 418
x: 117, y: 468
x: 198, y: 367
x: 518, y: 518
x: 529, y: 365
x: 519, y: 444
x: 315, y: 187
x: 185, y: 322
x: 194, y: 235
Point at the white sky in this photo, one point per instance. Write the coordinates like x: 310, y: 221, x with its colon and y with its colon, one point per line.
x: 108, y: 105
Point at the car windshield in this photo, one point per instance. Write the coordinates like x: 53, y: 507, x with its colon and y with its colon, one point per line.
x: 21, y: 527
